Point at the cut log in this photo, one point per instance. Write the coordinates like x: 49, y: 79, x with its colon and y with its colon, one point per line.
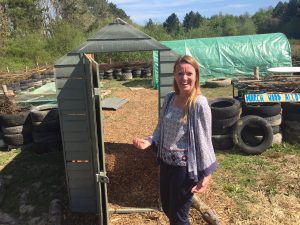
x: 55, y: 212
x: 208, y: 214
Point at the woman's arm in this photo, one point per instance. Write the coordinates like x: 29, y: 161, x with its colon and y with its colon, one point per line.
x: 202, y: 184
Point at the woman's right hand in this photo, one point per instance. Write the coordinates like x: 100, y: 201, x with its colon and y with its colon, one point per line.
x: 141, y: 143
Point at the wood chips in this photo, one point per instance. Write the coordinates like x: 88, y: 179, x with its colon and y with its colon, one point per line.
x: 133, y: 173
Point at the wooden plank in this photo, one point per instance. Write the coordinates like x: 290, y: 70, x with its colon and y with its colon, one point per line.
x: 165, y: 90
x: 78, y: 83
x: 75, y: 126
x: 166, y: 80
x: 273, y: 97
x: 75, y: 136
x: 79, y: 155
x: 77, y: 146
x: 69, y: 71
x: 80, y: 182
x: 76, y: 116
x: 78, y: 166
x: 84, y: 205
x: 166, y: 67
x: 68, y: 59
x: 82, y: 193
x: 70, y: 94
x: 69, y: 105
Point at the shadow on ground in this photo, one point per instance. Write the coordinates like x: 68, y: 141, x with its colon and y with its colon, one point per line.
x: 145, y: 82
x: 31, y: 182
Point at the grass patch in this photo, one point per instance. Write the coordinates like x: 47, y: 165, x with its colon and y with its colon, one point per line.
x: 217, y: 92
x: 7, y: 156
x: 252, y: 179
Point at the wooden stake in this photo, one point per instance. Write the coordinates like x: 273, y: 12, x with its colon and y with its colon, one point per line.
x: 207, y: 213
x: 256, y: 72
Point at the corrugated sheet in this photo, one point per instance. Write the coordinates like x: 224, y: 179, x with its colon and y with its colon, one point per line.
x: 119, y: 37
x: 117, y: 31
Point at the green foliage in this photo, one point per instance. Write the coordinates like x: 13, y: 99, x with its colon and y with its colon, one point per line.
x: 24, y: 16
x: 172, y: 24
x: 157, y: 32
x: 118, y: 12
x: 32, y: 32
x: 192, y: 20
x: 64, y: 37
x: 279, y: 10
x: 30, y: 47
x: 123, y: 57
x: 246, y: 25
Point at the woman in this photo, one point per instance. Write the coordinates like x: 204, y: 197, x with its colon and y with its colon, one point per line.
x: 182, y: 140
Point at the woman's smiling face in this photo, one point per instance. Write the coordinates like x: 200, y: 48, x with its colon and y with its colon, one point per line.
x: 185, y: 78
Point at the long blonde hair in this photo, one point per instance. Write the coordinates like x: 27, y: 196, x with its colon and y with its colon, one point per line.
x: 186, y: 59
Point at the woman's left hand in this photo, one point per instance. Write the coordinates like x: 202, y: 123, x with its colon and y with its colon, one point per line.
x: 202, y: 185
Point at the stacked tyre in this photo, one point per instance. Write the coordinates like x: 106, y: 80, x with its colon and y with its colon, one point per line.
x: 291, y: 122
x: 136, y: 72
x: 271, y: 112
x: 15, y: 87
x: 218, y: 82
x: 126, y: 74
x: 101, y: 74
x: 2, y: 144
x: 248, y: 142
x: 48, y: 75
x: 16, y: 128
x: 45, y: 128
x: 146, y: 72
x: 108, y: 74
x: 117, y: 73
x: 225, y: 113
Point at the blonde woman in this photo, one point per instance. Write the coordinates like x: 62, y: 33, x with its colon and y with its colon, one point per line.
x: 182, y: 141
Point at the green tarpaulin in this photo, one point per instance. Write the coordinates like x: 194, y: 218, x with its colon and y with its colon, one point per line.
x: 233, y: 55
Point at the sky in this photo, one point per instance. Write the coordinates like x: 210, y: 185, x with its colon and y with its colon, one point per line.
x: 140, y: 11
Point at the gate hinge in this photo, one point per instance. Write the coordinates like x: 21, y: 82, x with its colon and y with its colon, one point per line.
x: 102, y: 178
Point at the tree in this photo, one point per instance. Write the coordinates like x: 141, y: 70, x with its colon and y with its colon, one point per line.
x: 64, y: 37
x: 4, y: 31
x: 157, y: 32
x: 246, y: 25
x: 149, y: 24
x: 292, y: 10
x: 290, y: 20
x: 260, y: 18
x: 172, y: 24
x: 192, y: 20
x: 118, y: 12
x: 230, y: 27
x: 25, y: 16
x: 279, y: 10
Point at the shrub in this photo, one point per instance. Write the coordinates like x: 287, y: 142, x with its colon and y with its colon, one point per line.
x: 63, y: 38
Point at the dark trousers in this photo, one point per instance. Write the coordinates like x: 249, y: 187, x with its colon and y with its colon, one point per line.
x: 175, y: 193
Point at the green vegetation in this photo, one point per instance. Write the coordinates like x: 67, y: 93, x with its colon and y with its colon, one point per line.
x: 33, y: 33
x: 249, y: 179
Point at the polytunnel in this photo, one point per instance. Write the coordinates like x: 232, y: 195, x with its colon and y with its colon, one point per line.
x: 231, y: 56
